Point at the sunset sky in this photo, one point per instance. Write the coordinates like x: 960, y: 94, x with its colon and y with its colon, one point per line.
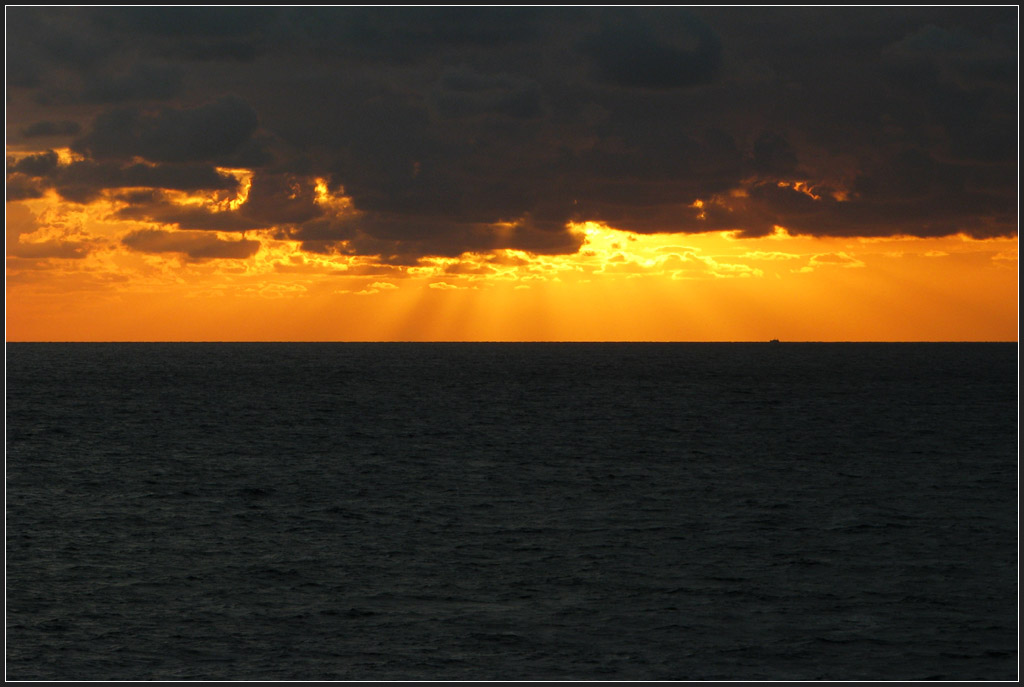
x: 393, y: 174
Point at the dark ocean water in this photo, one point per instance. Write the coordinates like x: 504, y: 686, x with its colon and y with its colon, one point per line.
x: 512, y: 511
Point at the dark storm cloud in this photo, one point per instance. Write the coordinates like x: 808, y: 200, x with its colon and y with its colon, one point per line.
x: 273, y: 200
x: 21, y: 187
x: 42, y: 164
x: 209, y: 133
x: 196, y: 33
x: 196, y: 245
x: 84, y: 181
x: 406, y: 34
x: 281, y: 199
x: 456, y: 129
x: 463, y: 92
x: 773, y: 154
x: 403, y: 239
x: 656, y: 50
x: 179, y: 22
x: 967, y: 84
x: 40, y: 39
x: 27, y: 176
x: 48, y: 128
x: 141, y: 82
x: 190, y: 217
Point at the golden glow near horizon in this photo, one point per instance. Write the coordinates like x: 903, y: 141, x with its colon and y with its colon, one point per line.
x: 618, y: 286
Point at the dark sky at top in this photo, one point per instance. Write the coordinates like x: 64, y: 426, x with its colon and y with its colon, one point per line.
x: 441, y: 122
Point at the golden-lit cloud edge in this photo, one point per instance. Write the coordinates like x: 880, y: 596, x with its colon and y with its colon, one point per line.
x: 49, y: 235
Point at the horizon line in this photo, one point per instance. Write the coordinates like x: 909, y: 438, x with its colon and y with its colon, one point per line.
x: 508, y: 341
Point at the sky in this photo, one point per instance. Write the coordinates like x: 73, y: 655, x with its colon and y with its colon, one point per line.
x: 520, y: 174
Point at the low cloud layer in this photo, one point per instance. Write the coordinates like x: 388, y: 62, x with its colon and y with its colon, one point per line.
x: 449, y: 130
x: 196, y: 245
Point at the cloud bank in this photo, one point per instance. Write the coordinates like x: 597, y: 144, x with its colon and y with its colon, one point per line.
x: 445, y: 130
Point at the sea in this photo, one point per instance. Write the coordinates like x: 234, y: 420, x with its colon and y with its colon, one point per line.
x: 512, y: 511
